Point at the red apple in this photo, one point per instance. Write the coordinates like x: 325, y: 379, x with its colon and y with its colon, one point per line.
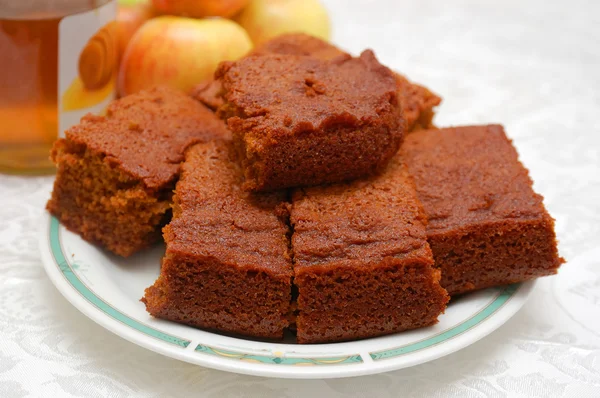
x: 179, y: 52
x: 130, y: 17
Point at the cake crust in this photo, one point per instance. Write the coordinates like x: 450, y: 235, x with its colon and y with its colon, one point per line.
x: 486, y: 225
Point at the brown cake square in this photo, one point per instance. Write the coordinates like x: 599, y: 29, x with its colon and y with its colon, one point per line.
x: 486, y: 226
x: 299, y: 44
x: 362, y: 265
x: 300, y: 121
x: 116, y: 172
x: 417, y: 101
x: 227, y: 265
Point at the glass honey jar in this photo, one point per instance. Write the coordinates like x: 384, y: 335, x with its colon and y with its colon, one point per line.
x: 58, y: 61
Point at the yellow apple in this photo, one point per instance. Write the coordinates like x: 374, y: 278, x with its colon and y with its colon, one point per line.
x: 265, y: 19
x: 200, y: 8
x: 131, y: 2
x: 179, y: 52
x: 130, y: 17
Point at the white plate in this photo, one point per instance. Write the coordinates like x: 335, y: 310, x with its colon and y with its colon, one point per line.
x: 107, y: 289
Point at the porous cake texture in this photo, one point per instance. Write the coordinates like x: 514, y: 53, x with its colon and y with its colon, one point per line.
x: 486, y: 225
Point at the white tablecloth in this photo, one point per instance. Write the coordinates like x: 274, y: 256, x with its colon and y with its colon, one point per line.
x: 533, y: 66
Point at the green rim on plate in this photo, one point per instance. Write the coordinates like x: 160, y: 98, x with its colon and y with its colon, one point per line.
x: 279, y: 358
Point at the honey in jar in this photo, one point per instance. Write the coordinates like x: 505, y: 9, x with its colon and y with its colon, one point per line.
x: 57, y: 63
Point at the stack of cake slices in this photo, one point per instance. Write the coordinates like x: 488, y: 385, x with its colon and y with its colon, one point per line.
x: 303, y: 189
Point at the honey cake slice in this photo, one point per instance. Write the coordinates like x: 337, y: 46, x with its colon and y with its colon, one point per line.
x: 116, y: 172
x: 302, y: 121
x: 362, y: 265
x: 227, y: 265
x: 486, y: 225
